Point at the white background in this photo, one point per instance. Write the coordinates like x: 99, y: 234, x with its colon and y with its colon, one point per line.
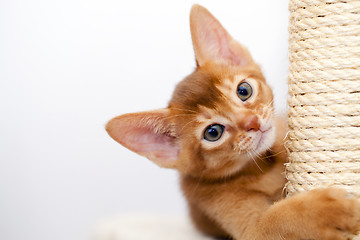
x: 66, y: 67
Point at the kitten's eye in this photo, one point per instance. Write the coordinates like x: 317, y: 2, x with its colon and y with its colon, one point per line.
x: 244, y: 91
x: 213, y: 132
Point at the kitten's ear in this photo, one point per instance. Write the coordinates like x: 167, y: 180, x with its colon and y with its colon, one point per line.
x: 149, y: 134
x: 212, y: 43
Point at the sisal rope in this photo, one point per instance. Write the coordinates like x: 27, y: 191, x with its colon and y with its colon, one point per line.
x: 324, y: 103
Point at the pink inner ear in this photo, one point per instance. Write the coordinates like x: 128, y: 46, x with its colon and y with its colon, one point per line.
x: 212, y: 43
x: 219, y: 46
x: 155, y: 146
x: 225, y: 51
x: 146, y: 133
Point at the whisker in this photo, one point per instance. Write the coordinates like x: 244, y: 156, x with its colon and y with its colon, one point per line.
x: 286, y: 135
x: 187, y: 110
x: 251, y: 156
x: 273, y: 155
x: 271, y: 102
x: 187, y: 124
x: 257, y: 163
x: 179, y: 115
x: 258, y: 156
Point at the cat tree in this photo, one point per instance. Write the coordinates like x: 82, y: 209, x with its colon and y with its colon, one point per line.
x: 324, y: 102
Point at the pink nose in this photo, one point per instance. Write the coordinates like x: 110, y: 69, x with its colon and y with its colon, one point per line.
x: 250, y: 123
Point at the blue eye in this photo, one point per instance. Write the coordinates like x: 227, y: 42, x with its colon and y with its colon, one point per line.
x: 213, y: 132
x: 244, y: 91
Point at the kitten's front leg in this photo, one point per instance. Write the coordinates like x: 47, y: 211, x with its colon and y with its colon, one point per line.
x: 319, y: 214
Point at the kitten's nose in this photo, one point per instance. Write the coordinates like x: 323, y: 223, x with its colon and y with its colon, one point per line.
x: 251, y: 123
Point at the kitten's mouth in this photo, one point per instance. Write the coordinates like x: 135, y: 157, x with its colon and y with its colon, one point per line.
x: 263, y: 137
x: 265, y: 130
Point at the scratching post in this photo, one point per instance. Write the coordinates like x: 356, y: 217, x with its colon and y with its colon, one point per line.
x: 324, y: 101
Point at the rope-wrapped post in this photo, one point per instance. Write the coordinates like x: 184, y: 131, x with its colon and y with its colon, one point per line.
x: 324, y: 103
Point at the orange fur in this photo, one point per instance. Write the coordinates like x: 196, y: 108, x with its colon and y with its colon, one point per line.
x: 233, y: 185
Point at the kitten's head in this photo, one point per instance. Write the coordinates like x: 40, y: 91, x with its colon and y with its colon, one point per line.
x: 219, y: 118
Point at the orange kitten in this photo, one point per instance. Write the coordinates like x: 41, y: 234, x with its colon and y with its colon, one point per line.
x: 220, y: 133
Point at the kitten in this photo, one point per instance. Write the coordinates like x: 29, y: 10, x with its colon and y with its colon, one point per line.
x: 220, y: 133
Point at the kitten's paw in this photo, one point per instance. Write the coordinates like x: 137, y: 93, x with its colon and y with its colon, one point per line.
x: 333, y: 214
